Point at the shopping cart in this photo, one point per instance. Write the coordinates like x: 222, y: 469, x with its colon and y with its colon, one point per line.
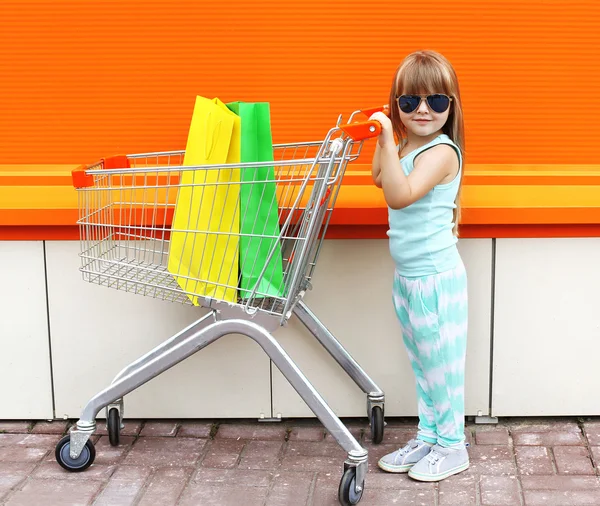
x: 126, y: 208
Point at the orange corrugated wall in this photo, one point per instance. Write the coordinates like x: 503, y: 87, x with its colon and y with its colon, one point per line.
x: 81, y: 80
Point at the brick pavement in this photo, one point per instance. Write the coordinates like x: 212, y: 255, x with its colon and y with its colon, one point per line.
x: 518, y: 462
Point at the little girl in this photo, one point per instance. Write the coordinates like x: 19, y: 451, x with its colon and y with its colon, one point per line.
x: 421, y: 180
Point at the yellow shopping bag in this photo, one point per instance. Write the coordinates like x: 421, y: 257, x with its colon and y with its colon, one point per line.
x: 203, y: 255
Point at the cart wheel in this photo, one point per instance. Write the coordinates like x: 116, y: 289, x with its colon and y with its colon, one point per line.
x: 113, y: 426
x: 347, y: 492
x: 81, y: 463
x: 377, y: 425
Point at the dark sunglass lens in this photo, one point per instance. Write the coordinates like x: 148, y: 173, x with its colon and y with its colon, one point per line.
x: 408, y: 103
x: 438, y: 103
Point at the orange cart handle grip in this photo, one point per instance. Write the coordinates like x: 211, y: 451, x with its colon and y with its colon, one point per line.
x: 360, y: 131
x: 83, y: 180
x: 363, y: 130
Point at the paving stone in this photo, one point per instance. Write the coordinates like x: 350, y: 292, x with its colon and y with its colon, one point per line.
x: 573, y: 460
x: 242, y: 477
x: 381, y: 479
x: 290, y: 489
x: 164, y: 451
x: 550, y: 438
x: 7, y: 440
x: 561, y: 490
x: 26, y: 447
x: 29, y: 440
x: 55, y: 493
x: 223, y: 453
x: 534, y: 460
x: 227, y: 487
x: 124, y: 486
x: 569, y: 498
x: 313, y: 449
x: 221, y: 495
x: 107, y: 454
x: 165, y: 487
x: 500, y: 491
x: 307, y: 456
x: 11, y: 474
x: 591, y: 429
x: 258, y: 431
x: 458, y: 490
x: 195, y: 429
x: 493, y: 468
x: 560, y: 483
x: 18, y: 453
x: 53, y: 471
x: 491, y: 460
x: 492, y: 436
x: 159, y: 429
x: 307, y: 434
x: 542, y: 425
x: 404, y: 497
x: 15, y: 427
x: 261, y: 455
x: 596, y: 455
x: 56, y: 427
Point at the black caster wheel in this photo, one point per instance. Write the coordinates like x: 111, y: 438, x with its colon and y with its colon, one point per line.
x: 81, y: 463
x: 113, y: 426
x: 377, y: 425
x: 347, y: 492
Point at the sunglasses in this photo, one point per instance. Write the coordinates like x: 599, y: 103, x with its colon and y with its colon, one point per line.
x: 437, y: 102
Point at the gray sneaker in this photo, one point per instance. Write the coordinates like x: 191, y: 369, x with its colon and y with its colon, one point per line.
x: 403, y: 459
x: 440, y: 463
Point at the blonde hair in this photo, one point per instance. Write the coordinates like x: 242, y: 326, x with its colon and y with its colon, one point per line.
x: 429, y: 72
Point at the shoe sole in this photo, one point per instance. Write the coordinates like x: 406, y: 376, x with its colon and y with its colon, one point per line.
x: 439, y: 477
x: 394, y: 469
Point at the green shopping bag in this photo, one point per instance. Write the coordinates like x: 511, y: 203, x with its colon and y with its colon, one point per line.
x: 259, y: 220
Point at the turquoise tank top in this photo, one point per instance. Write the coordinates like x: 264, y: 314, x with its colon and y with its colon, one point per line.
x: 421, y: 238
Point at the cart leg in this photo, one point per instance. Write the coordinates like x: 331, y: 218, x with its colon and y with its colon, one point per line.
x: 199, y: 340
x: 357, y: 462
x: 375, y: 396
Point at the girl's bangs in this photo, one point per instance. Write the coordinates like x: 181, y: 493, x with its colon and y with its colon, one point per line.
x: 422, y: 78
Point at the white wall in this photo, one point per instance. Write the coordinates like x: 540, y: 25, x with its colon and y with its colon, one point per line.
x: 547, y: 327
x: 545, y: 345
x: 25, y: 385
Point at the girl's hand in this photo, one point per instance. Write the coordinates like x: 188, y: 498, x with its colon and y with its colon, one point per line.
x: 386, y: 137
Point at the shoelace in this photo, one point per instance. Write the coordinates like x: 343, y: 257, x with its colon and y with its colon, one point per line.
x: 436, y: 454
x: 411, y: 445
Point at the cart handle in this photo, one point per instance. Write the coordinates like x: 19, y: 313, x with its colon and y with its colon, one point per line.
x: 362, y: 130
x: 83, y: 180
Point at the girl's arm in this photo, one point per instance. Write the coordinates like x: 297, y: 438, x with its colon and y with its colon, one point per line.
x: 431, y: 168
x: 376, y: 167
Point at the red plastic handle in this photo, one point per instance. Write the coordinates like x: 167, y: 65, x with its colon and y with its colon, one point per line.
x: 83, y: 180
x: 359, y: 131
x: 363, y: 130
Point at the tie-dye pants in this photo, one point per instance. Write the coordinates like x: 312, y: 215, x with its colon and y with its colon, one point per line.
x: 433, y: 317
